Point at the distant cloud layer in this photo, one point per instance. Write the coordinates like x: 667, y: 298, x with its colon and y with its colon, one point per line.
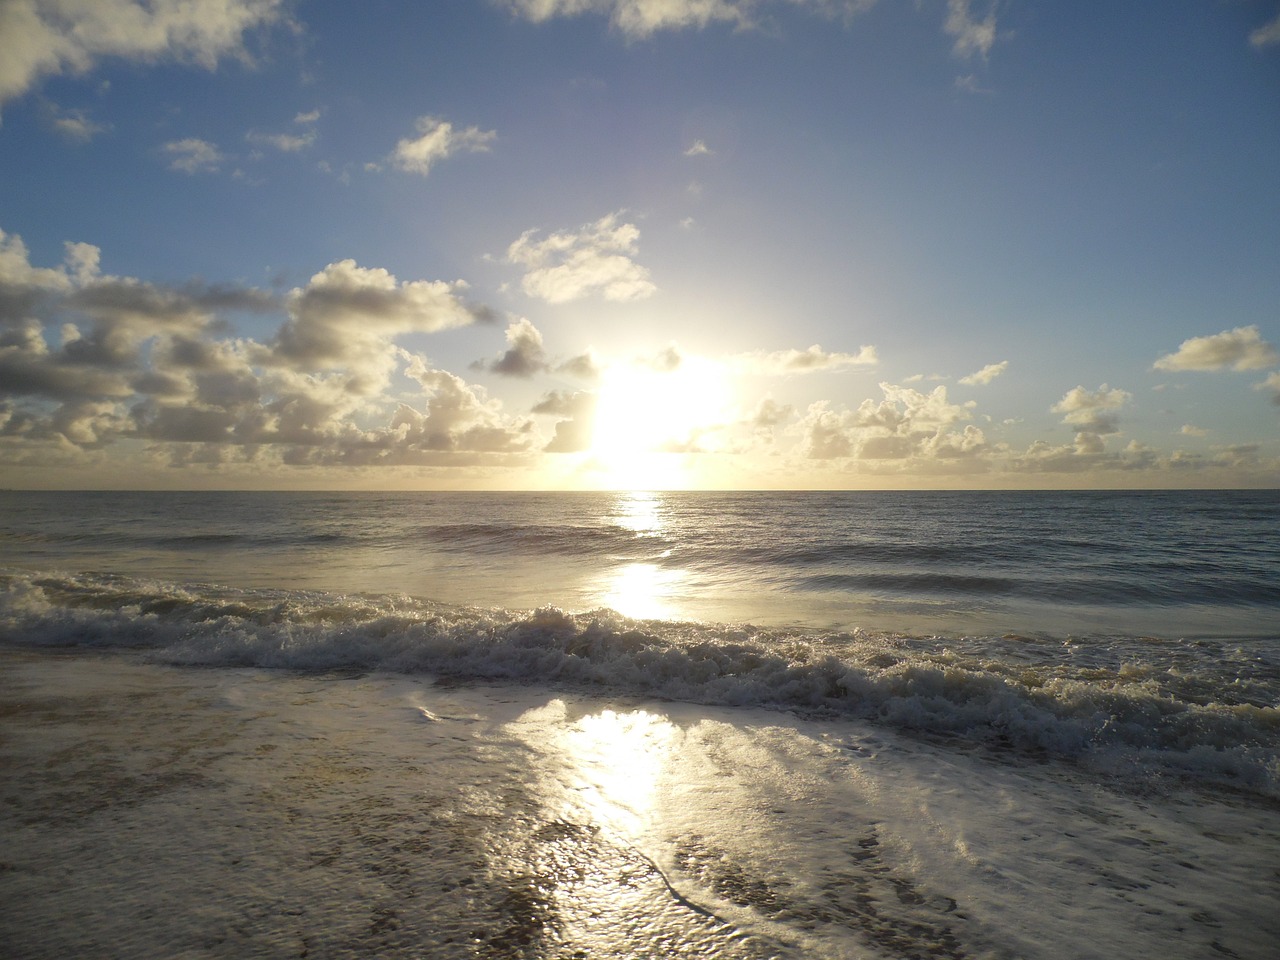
x: 91, y: 362
x: 804, y: 361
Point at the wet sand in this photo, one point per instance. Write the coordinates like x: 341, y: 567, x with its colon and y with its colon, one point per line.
x: 158, y: 812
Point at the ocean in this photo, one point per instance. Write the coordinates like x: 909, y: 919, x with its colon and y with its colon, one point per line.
x: 827, y: 725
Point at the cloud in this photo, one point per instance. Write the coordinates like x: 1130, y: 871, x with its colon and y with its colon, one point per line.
x: 584, y: 367
x: 641, y: 18
x: 192, y: 156
x: 41, y: 39
x: 1188, y: 430
x: 525, y: 355
x: 284, y: 142
x: 1267, y: 35
x: 70, y: 124
x: 1240, y: 349
x: 985, y: 375
x: 698, y: 149
x: 1271, y: 385
x: 905, y: 424
x: 1094, y: 412
x: 972, y: 36
x: 88, y: 360
x: 575, y: 431
x: 813, y: 360
x: 436, y: 140
x: 347, y: 316
x: 595, y: 259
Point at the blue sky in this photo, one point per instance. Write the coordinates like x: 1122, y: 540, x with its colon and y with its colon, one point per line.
x: 617, y: 243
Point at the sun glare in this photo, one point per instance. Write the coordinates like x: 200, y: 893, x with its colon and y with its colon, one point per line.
x: 647, y: 418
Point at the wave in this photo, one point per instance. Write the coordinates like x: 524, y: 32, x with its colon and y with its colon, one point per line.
x: 1110, y: 711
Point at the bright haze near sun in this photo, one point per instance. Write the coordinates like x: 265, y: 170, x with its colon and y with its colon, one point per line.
x: 638, y: 244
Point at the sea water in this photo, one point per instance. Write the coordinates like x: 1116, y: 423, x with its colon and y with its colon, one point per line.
x: 671, y: 724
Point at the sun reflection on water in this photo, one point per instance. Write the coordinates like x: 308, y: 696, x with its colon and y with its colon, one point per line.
x: 643, y: 591
x: 620, y: 758
x: 639, y: 511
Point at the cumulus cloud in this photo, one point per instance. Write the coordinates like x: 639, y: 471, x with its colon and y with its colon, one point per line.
x: 905, y: 424
x: 1240, y: 349
x: 525, y: 354
x: 1271, y: 385
x: 985, y: 375
x: 1190, y: 430
x: 971, y: 36
x: 583, y: 367
x: 436, y: 140
x: 347, y: 316
x: 1267, y: 35
x: 1093, y: 412
x: 87, y: 360
x: 698, y: 149
x: 575, y: 429
x: 595, y: 259
x: 192, y: 155
x: 813, y: 360
x: 42, y: 38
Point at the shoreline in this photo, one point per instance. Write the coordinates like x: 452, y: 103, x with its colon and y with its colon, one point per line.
x: 158, y: 811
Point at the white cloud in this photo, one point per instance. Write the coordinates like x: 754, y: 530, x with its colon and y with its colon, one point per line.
x: 985, y: 375
x: 1093, y: 411
x: 1266, y: 35
x: 574, y: 264
x: 813, y: 360
x: 309, y: 117
x: 641, y: 18
x: 972, y: 36
x: 1240, y: 349
x: 1188, y: 430
x: 436, y: 140
x: 905, y: 424
x: 42, y: 38
x: 698, y: 149
x: 1271, y: 385
x: 193, y: 155
x: 284, y: 142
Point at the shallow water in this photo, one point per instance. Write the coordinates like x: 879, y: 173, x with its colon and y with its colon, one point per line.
x: 158, y: 811
x: 739, y: 725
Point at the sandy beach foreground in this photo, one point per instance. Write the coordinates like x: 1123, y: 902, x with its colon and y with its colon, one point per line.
x: 156, y: 811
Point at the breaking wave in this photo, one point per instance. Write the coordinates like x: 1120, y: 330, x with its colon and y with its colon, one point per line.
x: 1190, y: 709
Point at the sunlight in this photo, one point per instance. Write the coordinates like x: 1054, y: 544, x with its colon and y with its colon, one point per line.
x: 640, y: 512
x: 620, y: 758
x: 647, y: 418
x: 642, y: 591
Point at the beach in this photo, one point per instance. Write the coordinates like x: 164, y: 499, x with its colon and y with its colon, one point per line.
x: 157, y: 811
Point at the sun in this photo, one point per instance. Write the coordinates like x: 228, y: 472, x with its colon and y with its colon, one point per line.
x: 649, y: 420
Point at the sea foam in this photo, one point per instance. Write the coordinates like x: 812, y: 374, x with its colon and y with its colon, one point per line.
x: 1097, y: 708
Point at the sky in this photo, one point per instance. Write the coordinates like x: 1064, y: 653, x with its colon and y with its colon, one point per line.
x: 599, y: 244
